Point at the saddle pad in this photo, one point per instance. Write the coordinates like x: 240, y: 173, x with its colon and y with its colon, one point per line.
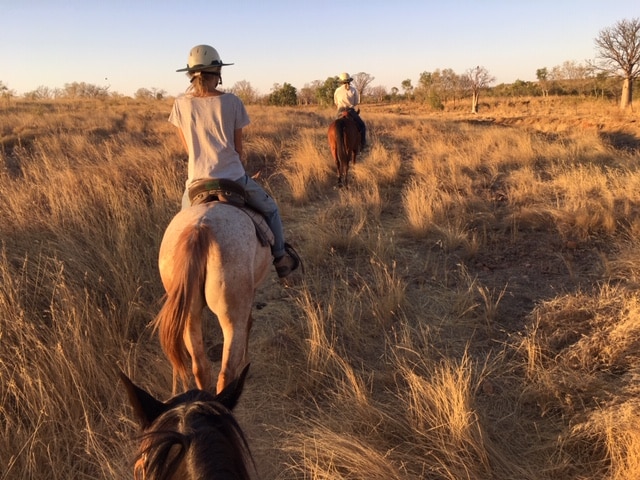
x: 264, y: 233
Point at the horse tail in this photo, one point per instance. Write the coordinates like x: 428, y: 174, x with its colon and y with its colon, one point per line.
x: 187, y: 281
x: 341, y: 141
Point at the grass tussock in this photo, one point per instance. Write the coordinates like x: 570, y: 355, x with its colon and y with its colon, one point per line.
x: 469, y: 308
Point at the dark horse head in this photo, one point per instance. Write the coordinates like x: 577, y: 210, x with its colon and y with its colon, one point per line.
x: 192, y: 435
x: 344, y: 142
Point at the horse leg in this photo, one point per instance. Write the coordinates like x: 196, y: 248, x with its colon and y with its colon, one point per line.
x: 236, y: 344
x: 194, y: 342
x: 340, y: 178
x: 334, y: 148
x: 337, y: 160
x: 344, y: 166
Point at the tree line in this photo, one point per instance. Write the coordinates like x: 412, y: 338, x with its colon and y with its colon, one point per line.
x: 618, y: 58
x: 618, y: 49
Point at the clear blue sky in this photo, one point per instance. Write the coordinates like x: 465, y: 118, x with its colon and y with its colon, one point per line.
x: 139, y: 44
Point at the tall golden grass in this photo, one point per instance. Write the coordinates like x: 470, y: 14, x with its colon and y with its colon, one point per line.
x: 469, y: 310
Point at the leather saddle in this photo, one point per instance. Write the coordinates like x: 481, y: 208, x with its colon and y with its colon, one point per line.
x: 206, y: 190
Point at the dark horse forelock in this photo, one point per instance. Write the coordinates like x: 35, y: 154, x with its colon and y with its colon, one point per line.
x: 195, y: 440
x: 193, y: 435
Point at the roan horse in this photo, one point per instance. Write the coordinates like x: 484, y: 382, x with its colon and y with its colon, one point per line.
x: 344, y: 142
x: 210, y: 256
x: 193, y: 435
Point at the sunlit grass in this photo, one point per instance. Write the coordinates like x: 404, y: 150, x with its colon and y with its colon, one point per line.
x: 423, y: 342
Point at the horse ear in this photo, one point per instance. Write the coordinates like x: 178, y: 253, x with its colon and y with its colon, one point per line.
x: 231, y: 393
x: 145, y: 407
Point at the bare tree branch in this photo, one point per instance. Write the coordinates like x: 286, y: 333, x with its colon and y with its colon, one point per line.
x: 619, y: 50
x: 361, y: 81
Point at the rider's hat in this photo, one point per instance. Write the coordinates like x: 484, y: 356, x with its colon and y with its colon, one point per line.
x: 203, y: 58
x: 345, y: 78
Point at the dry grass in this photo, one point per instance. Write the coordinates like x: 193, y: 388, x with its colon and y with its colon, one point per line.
x: 469, y: 309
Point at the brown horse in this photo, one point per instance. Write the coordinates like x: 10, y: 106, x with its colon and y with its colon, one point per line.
x: 344, y: 142
x: 193, y: 435
x: 209, y: 256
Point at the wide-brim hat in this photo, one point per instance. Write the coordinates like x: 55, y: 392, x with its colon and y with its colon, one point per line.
x: 213, y: 66
x: 203, y: 58
x: 345, y: 78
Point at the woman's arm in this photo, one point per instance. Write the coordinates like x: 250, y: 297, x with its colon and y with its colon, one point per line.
x: 184, y: 141
x: 237, y: 141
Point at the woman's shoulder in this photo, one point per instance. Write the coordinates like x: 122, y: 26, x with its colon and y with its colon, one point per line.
x: 223, y: 100
x: 184, y: 98
x: 231, y: 97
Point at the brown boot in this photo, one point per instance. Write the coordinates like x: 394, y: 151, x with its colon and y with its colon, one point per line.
x: 287, y: 263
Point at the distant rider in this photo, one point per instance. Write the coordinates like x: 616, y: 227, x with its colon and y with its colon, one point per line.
x: 346, y: 97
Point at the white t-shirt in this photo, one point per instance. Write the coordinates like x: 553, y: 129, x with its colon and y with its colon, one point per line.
x: 208, y: 125
x: 346, y: 97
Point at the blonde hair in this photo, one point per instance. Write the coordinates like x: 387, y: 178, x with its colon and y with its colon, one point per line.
x: 203, y: 83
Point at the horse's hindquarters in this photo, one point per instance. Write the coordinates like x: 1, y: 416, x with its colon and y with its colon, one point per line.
x: 210, y: 254
x: 233, y: 246
x: 344, y: 142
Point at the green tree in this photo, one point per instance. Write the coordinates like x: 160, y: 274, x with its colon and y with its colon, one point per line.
x: 619, y: 51
x: 426, y: 80
x: 450, y: 83
x: 283, y: 96
x: 407, y: 87
x: 542, y: 74
x: 324, y: 93
x: 428, y: 90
